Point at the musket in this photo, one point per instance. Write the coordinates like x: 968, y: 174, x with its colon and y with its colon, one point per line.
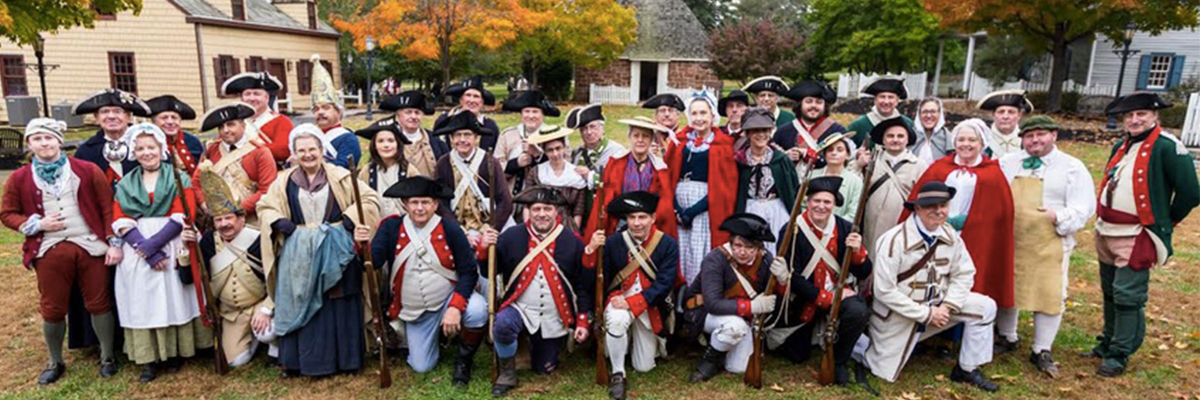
x: 601, y: 335
x: 212, y: 316
x: 753, y: 376
x: 491, y: 290
x: 826, y: 374
x: 385, y: 374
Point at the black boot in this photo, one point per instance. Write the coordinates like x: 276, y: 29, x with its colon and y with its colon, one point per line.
x: 1044, y: 362
x: 52, y: 373
x: 710, y: 365
x: 1111, y: 368
x: 975, y: 378
x: 860, y: 375
x: 149, y: 373
x: 507, y: 379
x: 841, y: 375
x: 616, y: 386
x: 108, y: 367
x: 1002, y: 346
x: 465, y: 360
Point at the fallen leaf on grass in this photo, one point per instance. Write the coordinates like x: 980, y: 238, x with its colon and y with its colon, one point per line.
x: 1065, y: 389
x: 1164, y: 347
x: 940, y: 378
x: 1180, y: 395
x: 1082, y: 375
x: 1194, y: 335
x: 1177, y: 367
x: 910, y: 396
x: 1181, y: 345
x: 776, y: 387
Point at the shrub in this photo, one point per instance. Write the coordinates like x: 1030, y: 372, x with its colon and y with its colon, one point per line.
x: 1173, y: 117
x: 1069, y: 101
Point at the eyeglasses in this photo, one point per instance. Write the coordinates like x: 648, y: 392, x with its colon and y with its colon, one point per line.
x: 929, y: 112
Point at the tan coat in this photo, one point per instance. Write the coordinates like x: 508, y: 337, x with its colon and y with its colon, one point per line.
x: 885, y: 204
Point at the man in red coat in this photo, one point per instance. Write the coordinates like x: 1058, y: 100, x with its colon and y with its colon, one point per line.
x: 61, y: 205
x: 248, y: 169
x: 258, y: 90
x: 636, y: 169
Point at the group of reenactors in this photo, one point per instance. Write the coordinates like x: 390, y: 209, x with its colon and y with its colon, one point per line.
x: 776, y: 232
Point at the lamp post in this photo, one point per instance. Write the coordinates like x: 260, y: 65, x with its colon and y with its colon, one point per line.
x: 1125, y: 53
x: 39, y: 51
x: 370, y: 65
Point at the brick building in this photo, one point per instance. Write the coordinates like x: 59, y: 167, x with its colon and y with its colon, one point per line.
x: 670, y: 54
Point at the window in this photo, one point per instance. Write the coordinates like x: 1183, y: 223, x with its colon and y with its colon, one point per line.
x: 239, y: 9
x: 312, y: 14
x: 1160, y: 69
x: 122, y: 72
x: 224, y: 68
x: 12, y: 73
x: 255, y: 64
x: 304, y: 69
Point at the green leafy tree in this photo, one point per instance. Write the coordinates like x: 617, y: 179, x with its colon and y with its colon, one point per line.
x: 1003, y: 59
x: 881, y: 36
x: 748, y: 49
x: 711, y: 13
x: 784, y: 13
x: 22, y: 20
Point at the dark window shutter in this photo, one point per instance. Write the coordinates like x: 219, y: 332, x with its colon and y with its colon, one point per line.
x: 1176, y: 75
x: 1143, y: 72
x: 217, y: 78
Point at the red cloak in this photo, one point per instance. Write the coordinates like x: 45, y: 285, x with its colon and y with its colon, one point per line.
x: 613, y: 179
x: 722, y: 179
x: 988, y: 232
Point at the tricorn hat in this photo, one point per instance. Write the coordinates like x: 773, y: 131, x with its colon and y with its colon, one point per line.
x: 579, y: 117
x: 1136, y: 101
x: 1014, y: 98
x: 410, y: 99
x: 250, y: 80
x: 419, y: 186
x: 734, y: 96
x: 114, y: 98
x: 812, y: 88
x: 932, y: 192
x: 881, y: 128
x: 167, y: 103
x: 383, y: 125
x: 766, y: 84
x: 830, y: 184
x: 749, y: 226
x: 531, y: 99
x: 664, y: 99
x: 540, y: 194
x: 475, y: 82
x: 225, y: 113
x: 463, y: 120
x: 887, y: 84
x: 632, y: 202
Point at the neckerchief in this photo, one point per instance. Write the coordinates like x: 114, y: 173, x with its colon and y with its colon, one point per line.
x: 135, y: 200
x: 302, y: 180
x: 49, y: 172
x: 696, y: 144
x: 638, y: 175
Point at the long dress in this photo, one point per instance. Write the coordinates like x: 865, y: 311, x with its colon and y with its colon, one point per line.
x: 985, y: 200
x: 703, y: 171
x: 767, y: 187
x: 159, y: 313
x: 322, y: 332
x: 851, y: 190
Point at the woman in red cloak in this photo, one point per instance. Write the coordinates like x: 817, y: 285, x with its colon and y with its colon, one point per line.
x: 982, y: 209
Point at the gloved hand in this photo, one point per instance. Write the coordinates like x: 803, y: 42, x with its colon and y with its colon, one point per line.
x: 134, y: 238
x: 957, y: 221
x: 156, y: 258
x: 284, y: 226
x: 763, y: 304
x: 155, y: 243
x: 779, y: 268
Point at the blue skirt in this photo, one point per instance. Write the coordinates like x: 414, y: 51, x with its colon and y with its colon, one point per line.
x: 332, y: 341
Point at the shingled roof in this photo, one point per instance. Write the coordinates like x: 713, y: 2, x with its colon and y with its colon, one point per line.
x: 258, y: 12
x: 667, y: 29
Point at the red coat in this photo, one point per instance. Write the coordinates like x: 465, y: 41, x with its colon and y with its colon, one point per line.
x: 614, y: 177
x: 22, y: 198
x: 988, y: 232
x: 278, y: 131
x: 722, y: 180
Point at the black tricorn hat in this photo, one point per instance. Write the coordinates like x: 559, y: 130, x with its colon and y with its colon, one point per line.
x: 1014, y: 98
x: 766, y: 84
x: 631, y: 202
x: 464, y: 120
x: 383, y: 125
x: 882, y: 127
x: 748, y: 226
x: 812, y: 88
x: 475, y: 82
x: 225, y: 113
x: 1137, y: 101
x: 664, y: 99
x: 579, y: 117
x: 894, y: 85
x: 410, y: 99
x: 540, y: 194
x: 534, y: 99
x: 735, y: 95
x: 831, y: 184
x: 112, y: 98
x: 167, y: 103
x: 932, y: 192
x: 251, y: 80
x: 419, y: 186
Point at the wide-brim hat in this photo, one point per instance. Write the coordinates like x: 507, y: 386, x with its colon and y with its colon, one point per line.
x: 581, y: 116
x: 531, y: 99
x: 1014, y: 98
x: 475, y: 82
x: 632, y: 202
x: 1136, y: 101
x: 419, y: 186
x: 1038, y: 122
x: 218, y: 116
x: 812, y: 88
x: 462, y: 121
x: 757, y: 117
x: 112, y: 98
x: 549, y: 133
x: 766, y: 84
x: 830, y: 184
x: 749, y: 226
x: 932, y: 192
x: 410, y: 99
x: 540, y: 194
x: 646, y: 123
x: 167, y: 103
x: 734, y: 96
x: 887, y: 84
x: 881, y: 128
x: 664, y: 99
x: 250, y: 80
x: 830, y: 138
x: 383, y: 125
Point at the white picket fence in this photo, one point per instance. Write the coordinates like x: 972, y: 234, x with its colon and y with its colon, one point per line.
x: 358, y: 98
x: 1191, y: 123
x: 851, y: 85
x: 628, y: 96
x: 980, y: 87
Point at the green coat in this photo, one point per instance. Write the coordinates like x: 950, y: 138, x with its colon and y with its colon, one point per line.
x: 787, y: 183
x: 785, y: 117
x: 1173, y: 186
x: 862, y: 126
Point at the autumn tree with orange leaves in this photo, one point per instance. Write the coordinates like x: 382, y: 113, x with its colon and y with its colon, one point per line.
x: 22, y: 20
x: 1051, y: 25
x: 586, y: 33
x: 439, y: 29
